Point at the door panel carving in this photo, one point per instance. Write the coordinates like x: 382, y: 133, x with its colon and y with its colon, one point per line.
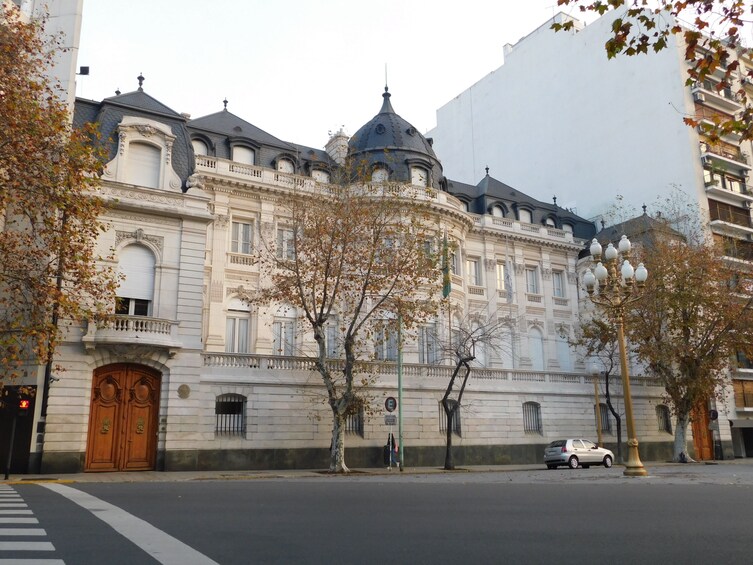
x: 123, y: 419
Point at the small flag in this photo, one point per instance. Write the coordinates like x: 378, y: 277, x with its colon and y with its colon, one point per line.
x: 446, y: 281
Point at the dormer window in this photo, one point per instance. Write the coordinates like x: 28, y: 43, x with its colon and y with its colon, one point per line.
x: 525, y: 216
x: 320, y: 176
x: 498, y: 212
x: 419, y: 176
x: 244, y: 155
x: 568, y: 228
x: 199, y: 147
x: 380, y: 174
x: 549, y: 222
x: 285, y: 166
x: 144, y: 162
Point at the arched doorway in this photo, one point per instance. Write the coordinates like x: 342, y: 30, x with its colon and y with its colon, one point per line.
x: 123, y: 419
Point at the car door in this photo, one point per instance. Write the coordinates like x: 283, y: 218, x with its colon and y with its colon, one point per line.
x: 590, y: 453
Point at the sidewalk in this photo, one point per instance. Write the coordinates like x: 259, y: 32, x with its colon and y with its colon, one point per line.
x: 654, y: 467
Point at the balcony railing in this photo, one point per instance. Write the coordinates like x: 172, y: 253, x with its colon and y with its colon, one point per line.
x: 248, y: 361
x: 729, y: 153
x: 135, y: 330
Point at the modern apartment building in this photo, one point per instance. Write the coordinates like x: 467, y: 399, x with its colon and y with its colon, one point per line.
x: 559, y: 109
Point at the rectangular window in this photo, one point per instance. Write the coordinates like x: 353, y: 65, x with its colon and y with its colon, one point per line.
x: 532, y: 280
x: 236, y: 335
x: 428, y: 350
x: 473, y: 271
x: 456, y: 429
x: 454, y: 268
x: 241, y: 237
x: 743, y: 393
x: 283, y: 337
x: 664, y: 419
x: 501, y: 276
x: 385, y: 347
x: 285, y: 243
x: 558, y: 285
x: 334, y: 351
x: 131, y: 306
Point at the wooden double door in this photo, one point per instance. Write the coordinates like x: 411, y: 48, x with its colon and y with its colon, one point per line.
x: 123, y: 419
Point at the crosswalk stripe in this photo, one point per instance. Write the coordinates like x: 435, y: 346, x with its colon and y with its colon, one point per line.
x: 160, y: 545
x: 6, y: 520
x: 15, y: 512
x: 32, y: 562
x: 26, y: 546
x: 22, y: 532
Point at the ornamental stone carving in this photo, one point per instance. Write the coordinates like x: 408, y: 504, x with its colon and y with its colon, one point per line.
x: 140, y: 236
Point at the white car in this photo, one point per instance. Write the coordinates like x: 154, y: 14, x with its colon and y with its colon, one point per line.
x: 574, y: 452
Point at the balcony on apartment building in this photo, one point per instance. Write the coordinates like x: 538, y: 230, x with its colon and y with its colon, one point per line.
x: 734, y: 248
x: 123, y: 329
x: 706, y: 92
x: 728, y: 188
x: 726, y: 156
x: 734, y: 221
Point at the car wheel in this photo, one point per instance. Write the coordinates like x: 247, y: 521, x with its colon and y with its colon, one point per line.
x: 551, y: 466
x: 573, y: 462
x: 607, y: 461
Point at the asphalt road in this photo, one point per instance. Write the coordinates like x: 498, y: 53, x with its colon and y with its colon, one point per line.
x: 692, y: 514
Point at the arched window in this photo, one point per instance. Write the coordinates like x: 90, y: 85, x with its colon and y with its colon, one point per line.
x: 549, y: 222
x: 244, y: 155
x: 143, y: 168
x: 606, y: 422
x: 238, y: 327
x: 230, y: 415
x: 320, y: 176
x: 536, y: 348
x: 380, y: 174
x: 285, y: 166
x: 419, y: 176
x: 568, y: 228
x: 524, y: 216
x: 199, y: 147
x: 532, y: 418
x: 563, y: 353
x: 498, y: 212
x: 136, y: 290
x: 664, y: 419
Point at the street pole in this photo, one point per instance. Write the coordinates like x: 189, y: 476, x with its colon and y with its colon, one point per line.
x: 598, y: 409
x: 401, y: 458
x: 634, y: 467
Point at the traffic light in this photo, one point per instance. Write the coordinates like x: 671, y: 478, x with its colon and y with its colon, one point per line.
x: 23, y: 407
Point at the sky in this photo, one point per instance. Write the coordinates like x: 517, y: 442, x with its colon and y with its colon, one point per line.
x: 300, y: 69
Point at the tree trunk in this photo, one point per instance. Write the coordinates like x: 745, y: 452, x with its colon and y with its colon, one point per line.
x: 617, y: 419
x: 681, y: 437
x: 448, y: 463
x: 337, y: 448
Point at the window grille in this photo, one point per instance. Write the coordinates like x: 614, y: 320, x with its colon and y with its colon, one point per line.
x: 354, y: 424
x: 230, y: 415
x: 456, y: 428
x: 532, y: 418
x: 664, y: 419
x: 606, y: 423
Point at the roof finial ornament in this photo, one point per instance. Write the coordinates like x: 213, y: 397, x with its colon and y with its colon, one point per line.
x: 117, y: 91
x: 386, y: 82
x: 140, y: 78
x: 603, y: 224
x: 555, y: 200
x: 644, y: 209
x: 487, y: 170
x: 224, y: 102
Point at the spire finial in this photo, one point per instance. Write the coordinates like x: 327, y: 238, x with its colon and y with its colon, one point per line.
x: 117, y: 91
x: 603, y: 224
x: 386, y: 82
x: 644, y: 209
x: 555, y: 200
x: 140, y: 78
x: 487, y: 170
x: 224, y: 102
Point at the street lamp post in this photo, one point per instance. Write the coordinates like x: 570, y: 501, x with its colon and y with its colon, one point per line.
x: 613, y: 286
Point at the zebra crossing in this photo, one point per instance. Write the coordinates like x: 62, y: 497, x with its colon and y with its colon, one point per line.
x: 21, y: 542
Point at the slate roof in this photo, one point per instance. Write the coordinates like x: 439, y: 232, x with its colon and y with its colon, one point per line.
x: 228, y: 124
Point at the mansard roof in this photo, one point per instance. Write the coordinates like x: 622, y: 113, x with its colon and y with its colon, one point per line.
x: 228, y: 124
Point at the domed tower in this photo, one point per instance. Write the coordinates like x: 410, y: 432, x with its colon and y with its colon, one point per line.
x: 389, y: 148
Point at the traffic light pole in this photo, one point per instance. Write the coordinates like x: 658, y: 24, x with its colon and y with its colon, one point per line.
x: 10, y: 447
